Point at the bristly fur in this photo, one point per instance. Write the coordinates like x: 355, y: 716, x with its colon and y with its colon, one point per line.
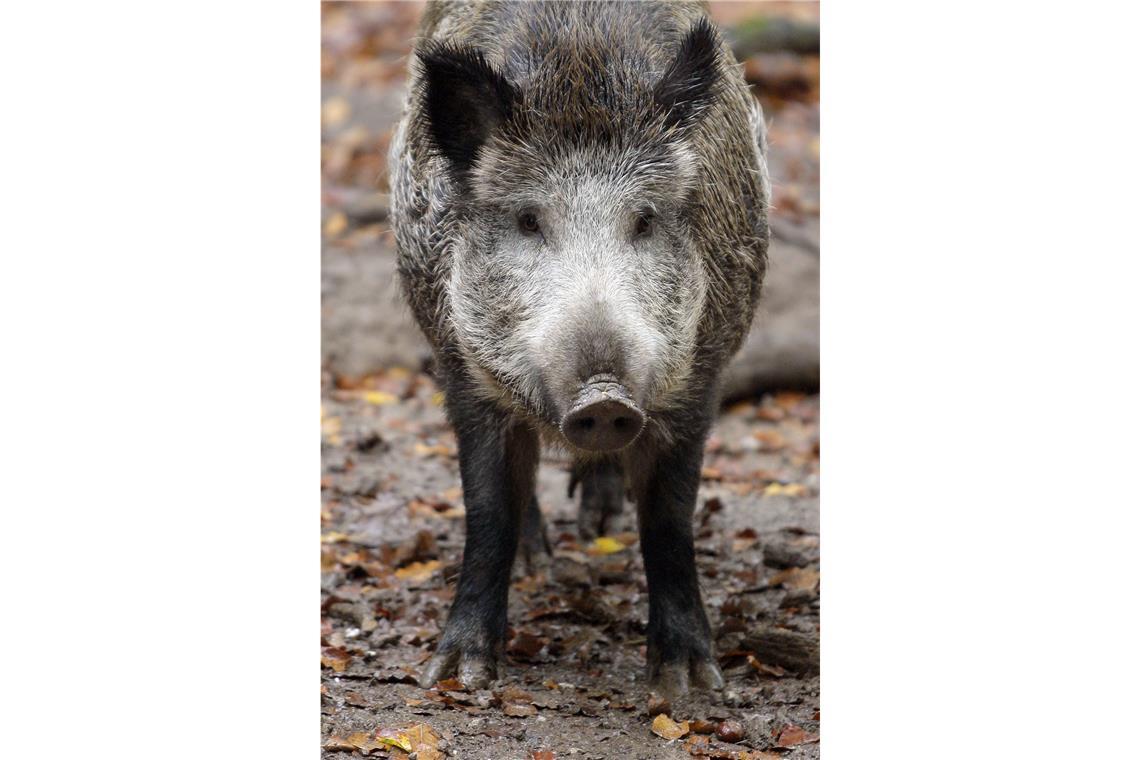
x: 562, y: 80
x: 579, y: 188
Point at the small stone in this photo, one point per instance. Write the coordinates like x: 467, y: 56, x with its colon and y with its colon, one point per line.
x: 730, y: 731
x: 569, y: 572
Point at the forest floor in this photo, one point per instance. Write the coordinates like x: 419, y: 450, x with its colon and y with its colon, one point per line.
x: 572, y: 683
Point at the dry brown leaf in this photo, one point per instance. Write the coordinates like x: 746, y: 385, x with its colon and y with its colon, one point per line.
x: 336, y: 224
x: 702, y: 746
x: 438, y: 450
x: 518, y: 710
x: 335, y: 111
x: 742, y: 544
x: 667, y: 728
x: 450, y: 684
x: 336, y: 658
x: 515, y: 694
x: 542, y: 754
x: 424, y: 741
x: 418, y: 571
x: 770, y: 438
x: 798, y: 578
x: 526, y: 645
x: 711, y: 473
x: 792, y: 736
x: 359, y: 740
x: 788, y: 399
x: 765, y: 669
x: 330, y: 429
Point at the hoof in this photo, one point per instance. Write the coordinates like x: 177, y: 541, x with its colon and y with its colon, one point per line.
x: 675, y: 679
x: 473, y: 671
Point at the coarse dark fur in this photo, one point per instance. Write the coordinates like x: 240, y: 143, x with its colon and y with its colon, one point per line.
x: 597, y: 107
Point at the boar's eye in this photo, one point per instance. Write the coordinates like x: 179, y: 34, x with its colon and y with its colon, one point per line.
x: 643, y: 227
x: 528, y: 223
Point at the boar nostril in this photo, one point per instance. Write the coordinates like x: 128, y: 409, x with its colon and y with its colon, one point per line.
x: 604, y: 419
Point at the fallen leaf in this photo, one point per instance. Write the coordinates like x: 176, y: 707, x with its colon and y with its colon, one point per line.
x: 424, y: 741
x: 515, y: 694
x: 701, y: 726
x: 359, y: 740
x: 798, y: 578
x: 711, y: 473
x: 336, y: 224
x: 418, y: 571
x: 330, y: 429
x: 766, y: 669
x: 741, y: 544
x: 335, y: 658
x: 335, y: 111
x: 702, y: 746
x: 542, y: 754
x: 788, y: 399
x: 438, y: 450
x: 770, y: 438
x: 516, y: 710
x: 450, y: 684
x: 792, y: 736
x: 380, y: 398
x: 667, y: 728
x: 789, y: 489
x: 605, y: 545
x: 526, y: 645
x: 394, y: 738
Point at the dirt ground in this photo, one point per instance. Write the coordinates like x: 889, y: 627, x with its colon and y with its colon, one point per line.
x: 572, y: 683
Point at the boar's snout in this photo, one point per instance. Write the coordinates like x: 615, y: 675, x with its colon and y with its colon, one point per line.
x: 603, y: 417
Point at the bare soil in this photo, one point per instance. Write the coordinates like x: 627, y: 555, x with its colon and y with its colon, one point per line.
x: 572, y: 681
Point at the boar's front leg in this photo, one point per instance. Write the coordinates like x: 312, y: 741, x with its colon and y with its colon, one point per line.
x: 679, y: 642
x: 497, y: 463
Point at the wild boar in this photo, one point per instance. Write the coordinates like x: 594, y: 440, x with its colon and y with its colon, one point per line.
x: 580, y: 205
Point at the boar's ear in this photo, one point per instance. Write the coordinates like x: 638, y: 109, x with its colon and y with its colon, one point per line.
x: 465, y: 100
x: 690, y: 82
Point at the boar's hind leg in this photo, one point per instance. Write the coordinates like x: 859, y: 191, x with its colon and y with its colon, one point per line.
x: 497, y: 462
x: 603, y: 492
x: 679, y: 643
x: 535, y: 544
